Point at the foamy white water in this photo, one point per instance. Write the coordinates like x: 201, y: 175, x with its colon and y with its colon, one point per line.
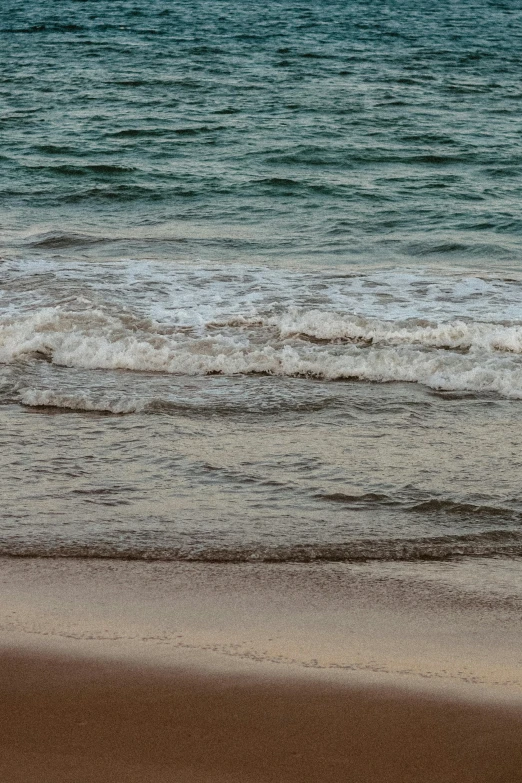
x: 450, y: 333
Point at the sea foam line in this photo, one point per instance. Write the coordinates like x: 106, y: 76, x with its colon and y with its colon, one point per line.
x: 477, y: 357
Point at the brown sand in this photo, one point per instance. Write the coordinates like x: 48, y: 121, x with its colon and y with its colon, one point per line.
x: 287, y: 674
x: 72, y: 720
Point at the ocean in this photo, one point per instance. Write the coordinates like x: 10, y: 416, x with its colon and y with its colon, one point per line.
x: 261, y: 280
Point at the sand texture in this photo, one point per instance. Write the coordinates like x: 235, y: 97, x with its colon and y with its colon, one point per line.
x: 65, y: 720
x: 153, y: 673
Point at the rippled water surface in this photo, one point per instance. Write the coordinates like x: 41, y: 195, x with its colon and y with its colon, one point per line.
x: 260, y: 280
x: 333, y: 132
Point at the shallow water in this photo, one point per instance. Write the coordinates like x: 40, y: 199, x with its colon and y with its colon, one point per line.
x: 260, y: 280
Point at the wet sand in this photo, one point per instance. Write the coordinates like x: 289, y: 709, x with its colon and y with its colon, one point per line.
x: 64, y: 720
x: 156, y: 673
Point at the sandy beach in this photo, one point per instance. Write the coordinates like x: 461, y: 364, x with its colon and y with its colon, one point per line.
x: 260, y: 392
x: 169, y: 672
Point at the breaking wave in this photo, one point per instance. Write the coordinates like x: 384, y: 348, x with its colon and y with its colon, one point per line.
x: 453, y: 335
x: 453, y: 356
x: 449, y: 333
x: 48, y: 398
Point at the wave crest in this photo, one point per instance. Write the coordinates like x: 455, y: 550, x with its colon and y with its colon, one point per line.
x: 454, y: 335
x: 452, y: 357
x: 48, y: 398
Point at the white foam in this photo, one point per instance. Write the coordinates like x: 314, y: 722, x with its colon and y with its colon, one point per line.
x: 96, y: 340
x: 453, y: 334
x: 78, y: 402
x: 184, y: 294
x: 153, y: 317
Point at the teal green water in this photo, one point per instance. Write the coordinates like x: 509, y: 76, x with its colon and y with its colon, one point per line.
x: 324, y: 132
x: 260, y: 279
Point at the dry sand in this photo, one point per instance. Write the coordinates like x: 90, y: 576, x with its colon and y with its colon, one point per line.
x: 123, y: 672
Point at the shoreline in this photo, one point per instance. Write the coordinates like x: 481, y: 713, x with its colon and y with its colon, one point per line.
x: 150, y: 673
x: 440, y: 627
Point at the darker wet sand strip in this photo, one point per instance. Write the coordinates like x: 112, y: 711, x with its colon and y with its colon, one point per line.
x: 75, y: 720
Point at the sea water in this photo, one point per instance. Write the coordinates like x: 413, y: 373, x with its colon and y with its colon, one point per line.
x: 261, y: 280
